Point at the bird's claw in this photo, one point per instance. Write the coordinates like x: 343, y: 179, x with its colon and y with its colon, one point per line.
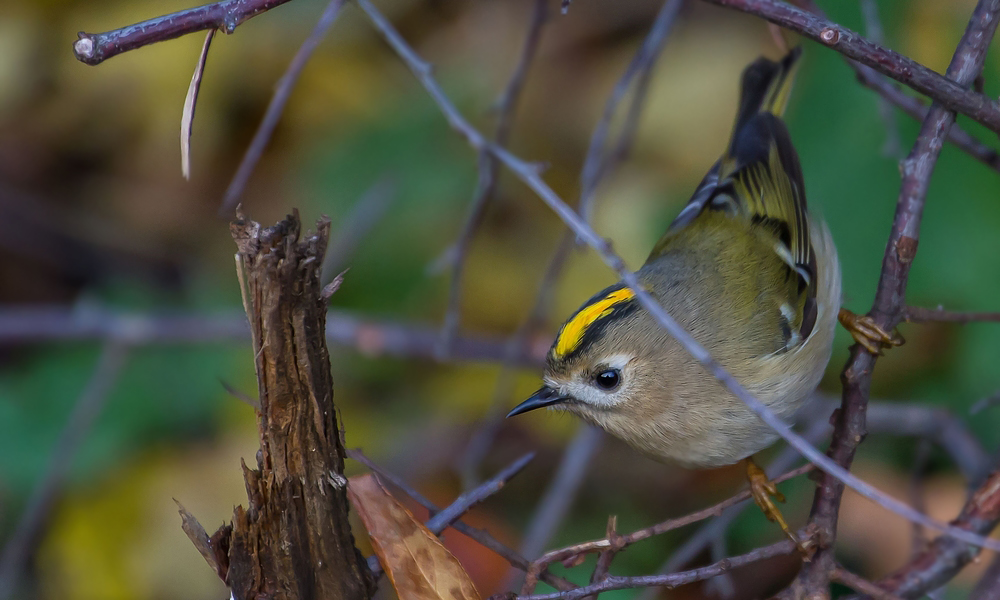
x: 866, y: 332
x: 762, y: 489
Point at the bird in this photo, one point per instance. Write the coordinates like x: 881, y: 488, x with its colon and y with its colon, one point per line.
x: 751, y: 274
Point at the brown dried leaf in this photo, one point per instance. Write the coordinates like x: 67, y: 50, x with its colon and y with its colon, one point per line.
x: 190, y: 101
x: 199, y: 537
x: 418, y: 565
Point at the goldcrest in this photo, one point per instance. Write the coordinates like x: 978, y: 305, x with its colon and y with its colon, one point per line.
x: 747, y: 270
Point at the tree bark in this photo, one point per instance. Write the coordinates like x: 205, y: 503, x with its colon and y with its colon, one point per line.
x: 294, y: 540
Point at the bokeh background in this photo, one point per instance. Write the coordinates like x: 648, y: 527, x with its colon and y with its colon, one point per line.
x: 94, y: 213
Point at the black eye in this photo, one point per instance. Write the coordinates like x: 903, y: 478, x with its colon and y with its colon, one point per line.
x: 608, y: 379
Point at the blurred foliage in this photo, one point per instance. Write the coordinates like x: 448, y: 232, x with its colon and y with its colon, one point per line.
x: 93, y: 209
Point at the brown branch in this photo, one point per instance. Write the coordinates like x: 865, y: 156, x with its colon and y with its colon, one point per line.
x: 294, y: 540
x: 89, y: 405
x: 860, y: 584
x: 530, y: 175
x: 489, y: 172
x: 672, y: 580
x: 598, y: 163
x: 562, y: 491
x: 95, y: 48
x: 619, y: 542
x: 945, y: 556
x: 282, y: 91
x: 913, y: 314
x: 952, y: 94
x: 34, y: 324
x: 889, y: 305
x: 479, y: 535
x: 914, y: 107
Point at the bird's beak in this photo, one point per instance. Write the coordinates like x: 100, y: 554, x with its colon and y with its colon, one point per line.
x: 546, y: 396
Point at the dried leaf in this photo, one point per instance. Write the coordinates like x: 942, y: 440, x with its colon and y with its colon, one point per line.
x: 199, y: 537
x: 418, y: 565
x: 187, y: 117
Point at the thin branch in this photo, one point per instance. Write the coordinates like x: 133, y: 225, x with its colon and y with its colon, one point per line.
x: 95, y: 48
x: 282, y: 91
x: 913, y: 314
x: 489, y: 171
x: 945, y: 557
x: 38, y: 324
x: 914, y: 107
x: 596, y: 166
x: 988, y: 587
x: 562, y: 490
x: 706, y: 535
x: 479, y: 535
x: 889, y: 305
x: 951, y: 94
x: 598, y: 162
x: 482, y: 438
x: 366, y: 213
x: 447, y: 517
x: 892, y: 147
x: 619, y: 542
x: 529, y: 174
x: 673, y: 580
x: 860, y: 584
x: 88, y: 407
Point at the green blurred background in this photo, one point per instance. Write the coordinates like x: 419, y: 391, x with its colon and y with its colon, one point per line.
x: 94, y: 211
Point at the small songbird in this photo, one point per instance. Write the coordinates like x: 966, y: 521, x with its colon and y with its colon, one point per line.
x: 750, y: 273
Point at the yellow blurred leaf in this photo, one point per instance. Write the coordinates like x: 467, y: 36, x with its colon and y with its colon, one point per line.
x: 418, y: 565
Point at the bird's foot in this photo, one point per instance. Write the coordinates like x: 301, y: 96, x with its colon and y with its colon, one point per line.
x: 866, y: 332
x: 762, y: 489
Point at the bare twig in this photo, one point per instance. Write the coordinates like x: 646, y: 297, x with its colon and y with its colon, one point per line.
x: 529, y: 174
x: 860, y: 584
x: 562, y: 490
x: 276, y: 106
x: 619, y: 542
x: 674, y: 580
x: 88, y: 406
x: 913, y: 314
x: 892, y: 147
x: 489, y: 171
x: 482, y: 438
x: 934, y: 424
x: 94, y: 48
x: 705, y: 536
x: 916, y: 491
x: 945, y: 556
x: 597, y: 165
x: 37, y: 324
x: 988, y: 587
x: 600, y: 162
x: 951, y: 94
x: 479, y: 535
x: 367, y: 211
x: 985, y: 403
x: 912, y: 106
x: 889, y: 305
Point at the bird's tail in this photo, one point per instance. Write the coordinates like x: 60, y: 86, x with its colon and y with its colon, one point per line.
x: 766, y: 86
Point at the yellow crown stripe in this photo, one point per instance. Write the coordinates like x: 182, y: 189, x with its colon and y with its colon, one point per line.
x: 572, y: 332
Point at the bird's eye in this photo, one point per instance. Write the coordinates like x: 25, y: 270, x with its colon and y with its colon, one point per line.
x: 608, y: 379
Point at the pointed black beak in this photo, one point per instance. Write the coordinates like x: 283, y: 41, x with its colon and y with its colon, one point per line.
x: 546, y: 396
